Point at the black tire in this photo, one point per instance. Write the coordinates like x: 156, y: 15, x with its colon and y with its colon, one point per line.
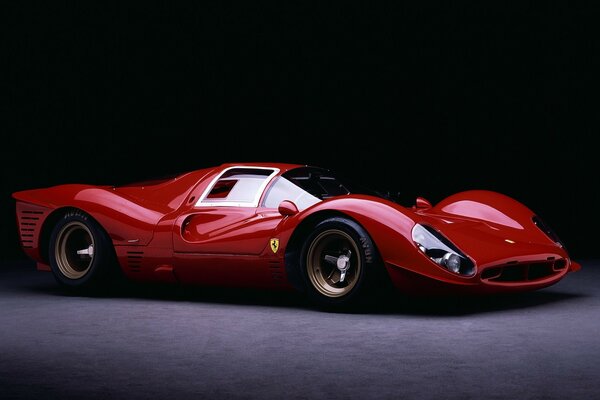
x: 90, y: 269
x: 331, y: 240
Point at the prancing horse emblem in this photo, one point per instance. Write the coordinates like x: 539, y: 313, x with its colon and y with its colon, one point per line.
x: 274, y: 245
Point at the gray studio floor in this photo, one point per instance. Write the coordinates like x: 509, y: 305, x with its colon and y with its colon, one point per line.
x: 168, y: 343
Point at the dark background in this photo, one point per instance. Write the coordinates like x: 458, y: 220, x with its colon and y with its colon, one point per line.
x: 475, y: 97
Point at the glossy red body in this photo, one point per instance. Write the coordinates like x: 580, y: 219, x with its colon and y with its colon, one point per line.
x: 159, y: 234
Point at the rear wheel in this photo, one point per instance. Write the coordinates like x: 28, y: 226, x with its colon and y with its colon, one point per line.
x: 338, y: 263
x: 80, y: 252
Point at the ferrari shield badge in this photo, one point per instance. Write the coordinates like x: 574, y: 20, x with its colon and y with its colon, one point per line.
x: 274, y: 244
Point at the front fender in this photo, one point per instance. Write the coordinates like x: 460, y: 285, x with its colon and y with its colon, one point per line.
x: 389, y: 225
x: 487, y: 206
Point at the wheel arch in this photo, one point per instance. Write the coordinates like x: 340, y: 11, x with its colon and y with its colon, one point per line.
x: 299, y: 235
x: 50, y: 222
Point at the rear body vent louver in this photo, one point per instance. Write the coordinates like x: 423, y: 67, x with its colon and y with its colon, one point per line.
x: 29, y: 221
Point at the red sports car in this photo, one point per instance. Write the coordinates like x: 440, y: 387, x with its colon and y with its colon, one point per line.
x: 288, y: 227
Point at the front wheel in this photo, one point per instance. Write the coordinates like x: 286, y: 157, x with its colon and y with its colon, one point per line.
x: 338, y: 263
x: 80, y: 252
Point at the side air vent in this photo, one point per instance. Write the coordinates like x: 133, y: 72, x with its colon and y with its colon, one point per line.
x: 28, y: 223
x: 276, y: 269
x: 134, y: 260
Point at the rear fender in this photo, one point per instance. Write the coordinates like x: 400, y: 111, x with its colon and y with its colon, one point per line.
x: 126, y: 221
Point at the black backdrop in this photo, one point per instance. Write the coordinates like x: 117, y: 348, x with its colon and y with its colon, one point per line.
x: 491, y: 98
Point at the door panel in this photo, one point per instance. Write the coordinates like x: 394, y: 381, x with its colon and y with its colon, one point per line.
x: 225, y: 230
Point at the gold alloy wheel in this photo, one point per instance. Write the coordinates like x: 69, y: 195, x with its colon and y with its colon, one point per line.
x: 74, y: 250
x: 333, y: 263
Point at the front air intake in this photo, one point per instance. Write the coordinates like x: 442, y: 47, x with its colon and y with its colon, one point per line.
x: 523, y: 272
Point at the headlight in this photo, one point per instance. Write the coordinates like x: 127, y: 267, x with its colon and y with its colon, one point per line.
x: 547, y: 230
x: 441, y: 251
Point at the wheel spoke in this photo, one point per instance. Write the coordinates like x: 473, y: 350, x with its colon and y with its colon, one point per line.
x: 330, y: 274
x: 335, y: 278
x: 88, y: 252
x: 331, y: 259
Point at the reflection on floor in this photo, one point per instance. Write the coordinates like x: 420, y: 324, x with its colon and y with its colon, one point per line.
x: 168, y: 342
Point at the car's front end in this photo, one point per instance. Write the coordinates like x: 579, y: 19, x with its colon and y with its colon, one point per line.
x: 481, y: 242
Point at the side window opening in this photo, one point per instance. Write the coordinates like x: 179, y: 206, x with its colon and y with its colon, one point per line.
x: 238, y: 187
x: 221, y: 189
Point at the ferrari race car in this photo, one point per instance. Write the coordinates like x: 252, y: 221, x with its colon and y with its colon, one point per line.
x: 284, y: 226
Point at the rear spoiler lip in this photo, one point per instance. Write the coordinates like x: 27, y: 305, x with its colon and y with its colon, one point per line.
x: 32, y: 197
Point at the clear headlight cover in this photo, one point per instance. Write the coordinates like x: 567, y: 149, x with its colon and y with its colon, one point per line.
x: 544, y: 227
x: 441, y: 251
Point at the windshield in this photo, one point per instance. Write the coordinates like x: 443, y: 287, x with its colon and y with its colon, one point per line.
x: 306, y: 186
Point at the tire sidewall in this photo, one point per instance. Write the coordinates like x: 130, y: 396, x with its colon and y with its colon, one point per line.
x: 367, y: 254
x: 98, y: 270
